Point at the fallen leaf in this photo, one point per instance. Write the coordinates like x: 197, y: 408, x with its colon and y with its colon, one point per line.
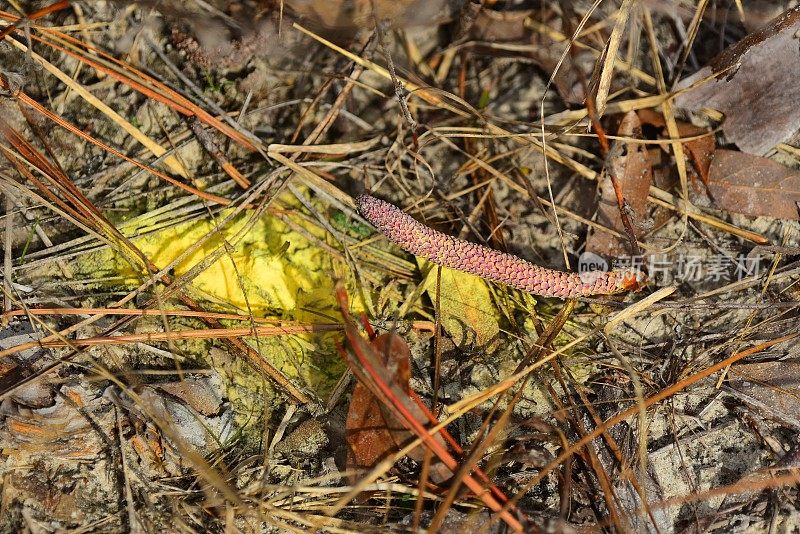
x: 771, y: 387
x: 501, y: 26
x: 467, y: 311
x: 752, y: 185
x: 274, y: 268
x: 700, y: 150
x: 408, y: 409
x: 199, y: 394
x: 630, y: 163
x: 755, y: 84
x: 373, y: 433
x: 368, y: 437
x: 600, y: 82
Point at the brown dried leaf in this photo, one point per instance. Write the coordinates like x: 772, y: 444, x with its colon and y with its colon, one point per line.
x: 373, y: 433
x: 370, y: 437
x: 700, y: 150
x: 755, y: 86
x: 752, y: 185
x: 198, y: 394
x: 630, y: 163
x: 771, y: 387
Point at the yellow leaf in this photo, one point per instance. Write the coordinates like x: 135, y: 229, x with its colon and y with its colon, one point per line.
x: 272, y: 270
x: 468, y: 312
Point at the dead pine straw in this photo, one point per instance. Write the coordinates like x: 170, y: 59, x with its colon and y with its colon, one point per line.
x: 201, y: 333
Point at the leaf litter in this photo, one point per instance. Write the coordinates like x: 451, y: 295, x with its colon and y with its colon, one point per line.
x: 180, y: 419
x: 751, y: 82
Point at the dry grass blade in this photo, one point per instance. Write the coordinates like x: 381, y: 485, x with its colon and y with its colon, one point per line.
x: 661, y: 396
x: 213, y: 333
x: 134, y: 78
x: 139, y: 312
x: 183, y: 260
x: 52, y: 8
x: 106, y: 110
x: 608, y: 58
x: 84, y: 211
x: 657, y: 195
x: 25, y: 99
x: 70, y: 198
